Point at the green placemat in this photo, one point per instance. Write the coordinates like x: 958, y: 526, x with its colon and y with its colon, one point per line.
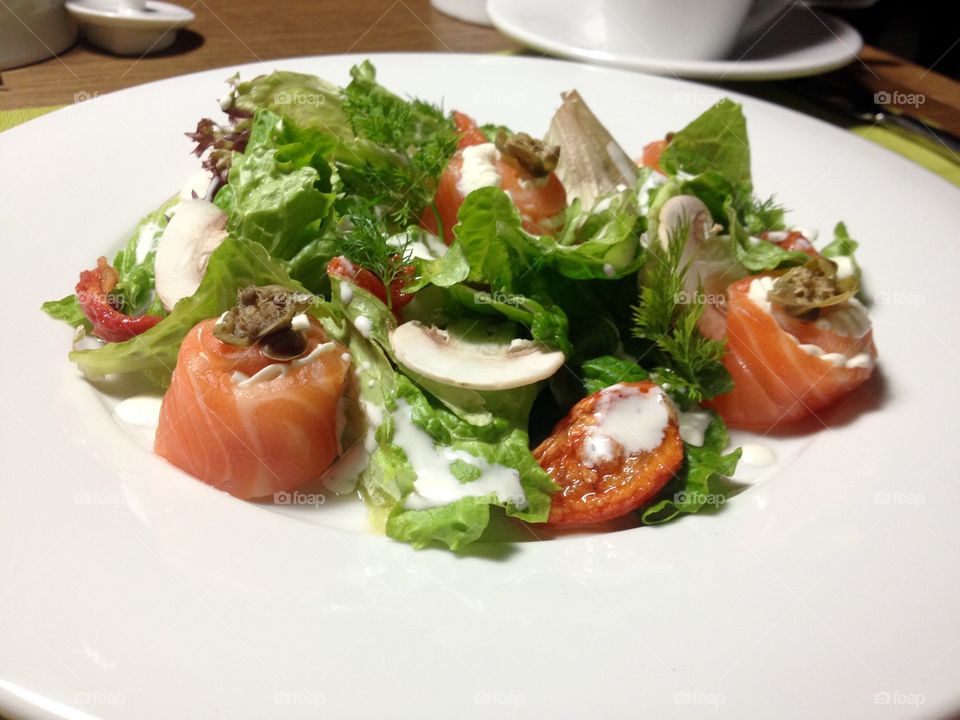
x: 938, y: 160
x: 12, y: 118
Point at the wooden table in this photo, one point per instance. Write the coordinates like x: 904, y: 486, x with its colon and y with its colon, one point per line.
x: 231, y: 32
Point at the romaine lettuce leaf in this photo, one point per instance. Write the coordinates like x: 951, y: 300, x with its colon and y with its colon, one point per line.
x: 500, y: 442
x: 604, y: 371
x: 233, y: 265
x: 281, y: 190
x: 716, y: 141
x: 594, y: 245
x: 307, y: 100
x: 487, y: 425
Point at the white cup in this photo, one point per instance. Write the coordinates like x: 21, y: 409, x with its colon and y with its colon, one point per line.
x: 669, y: 29
x: 762, y: 14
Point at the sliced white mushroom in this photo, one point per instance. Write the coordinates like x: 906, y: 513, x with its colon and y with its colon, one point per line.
x: 449, y: 357
x: 196, y: 185
x: 684, y: 211
x: 185, y: 246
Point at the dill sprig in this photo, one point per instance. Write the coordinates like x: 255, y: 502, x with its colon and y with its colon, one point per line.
x: 368, y: 244
x: 666, y: 316
x: 419, y: 133
x: 403, y: 189
x: 759, y: 215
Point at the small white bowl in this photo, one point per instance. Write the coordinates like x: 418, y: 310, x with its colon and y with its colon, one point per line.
x: 130, y: 28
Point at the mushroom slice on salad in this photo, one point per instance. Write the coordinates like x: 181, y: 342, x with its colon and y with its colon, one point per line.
x: 193, y: 233
x: 468, y: 359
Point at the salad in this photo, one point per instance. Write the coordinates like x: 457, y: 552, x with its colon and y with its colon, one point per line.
x: 460, y: 322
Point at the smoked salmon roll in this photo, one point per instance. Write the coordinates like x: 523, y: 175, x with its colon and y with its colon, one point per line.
x: 520, y: 165
x: 252, y: 407
x: 796, y: 343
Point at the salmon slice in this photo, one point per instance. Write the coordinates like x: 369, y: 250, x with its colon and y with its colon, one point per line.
x: 777, y: 379
x: 541, y: 201
x: 252, y: 439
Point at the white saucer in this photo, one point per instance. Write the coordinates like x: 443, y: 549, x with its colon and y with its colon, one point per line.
x: 130, y: 32
x: 800, y: 42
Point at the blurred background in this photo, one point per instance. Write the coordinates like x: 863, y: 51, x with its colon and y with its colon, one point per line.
x: 925, y: 33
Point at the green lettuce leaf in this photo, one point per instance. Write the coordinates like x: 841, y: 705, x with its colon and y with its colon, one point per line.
x: 604, y: 371
x: 715, y: 142
x: 280, y: 191
x: 547, y: 322
x: 134, y: 291
x: 843, y: 245
x: 697, y: 485
x: 68, y: 310
x: 501, y: 442
x: 233, y: 265
x: 756, y: 254
x: 307, y: 100
x: 487, y: 425
x: 599, y: 245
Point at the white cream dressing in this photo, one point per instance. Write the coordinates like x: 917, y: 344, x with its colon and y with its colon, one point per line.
x: 426, y: 246
x: 139, y: 410
x: 609, y: 270
x: 436, y: 484
x: 346, y: 293
x: 759, y: 290
x: 845, y: 267
x: 280, y: 369
x: 226, y: 102
x: 757, y: 455
x: 82, y: 341
x: 850, y: 319
x: 479, y: 168
x: 860, y: 360
x: 300, y: 322
x: 633, y: 419
x: 602, y: 205
x: 341, y: 477
x: 364, y: 325
x: 653, y: 180
x: 147, y: 240
x: 693, y: 426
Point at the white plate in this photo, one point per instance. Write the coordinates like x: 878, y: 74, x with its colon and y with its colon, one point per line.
x: 129, y: 590
x: 801, y: 41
